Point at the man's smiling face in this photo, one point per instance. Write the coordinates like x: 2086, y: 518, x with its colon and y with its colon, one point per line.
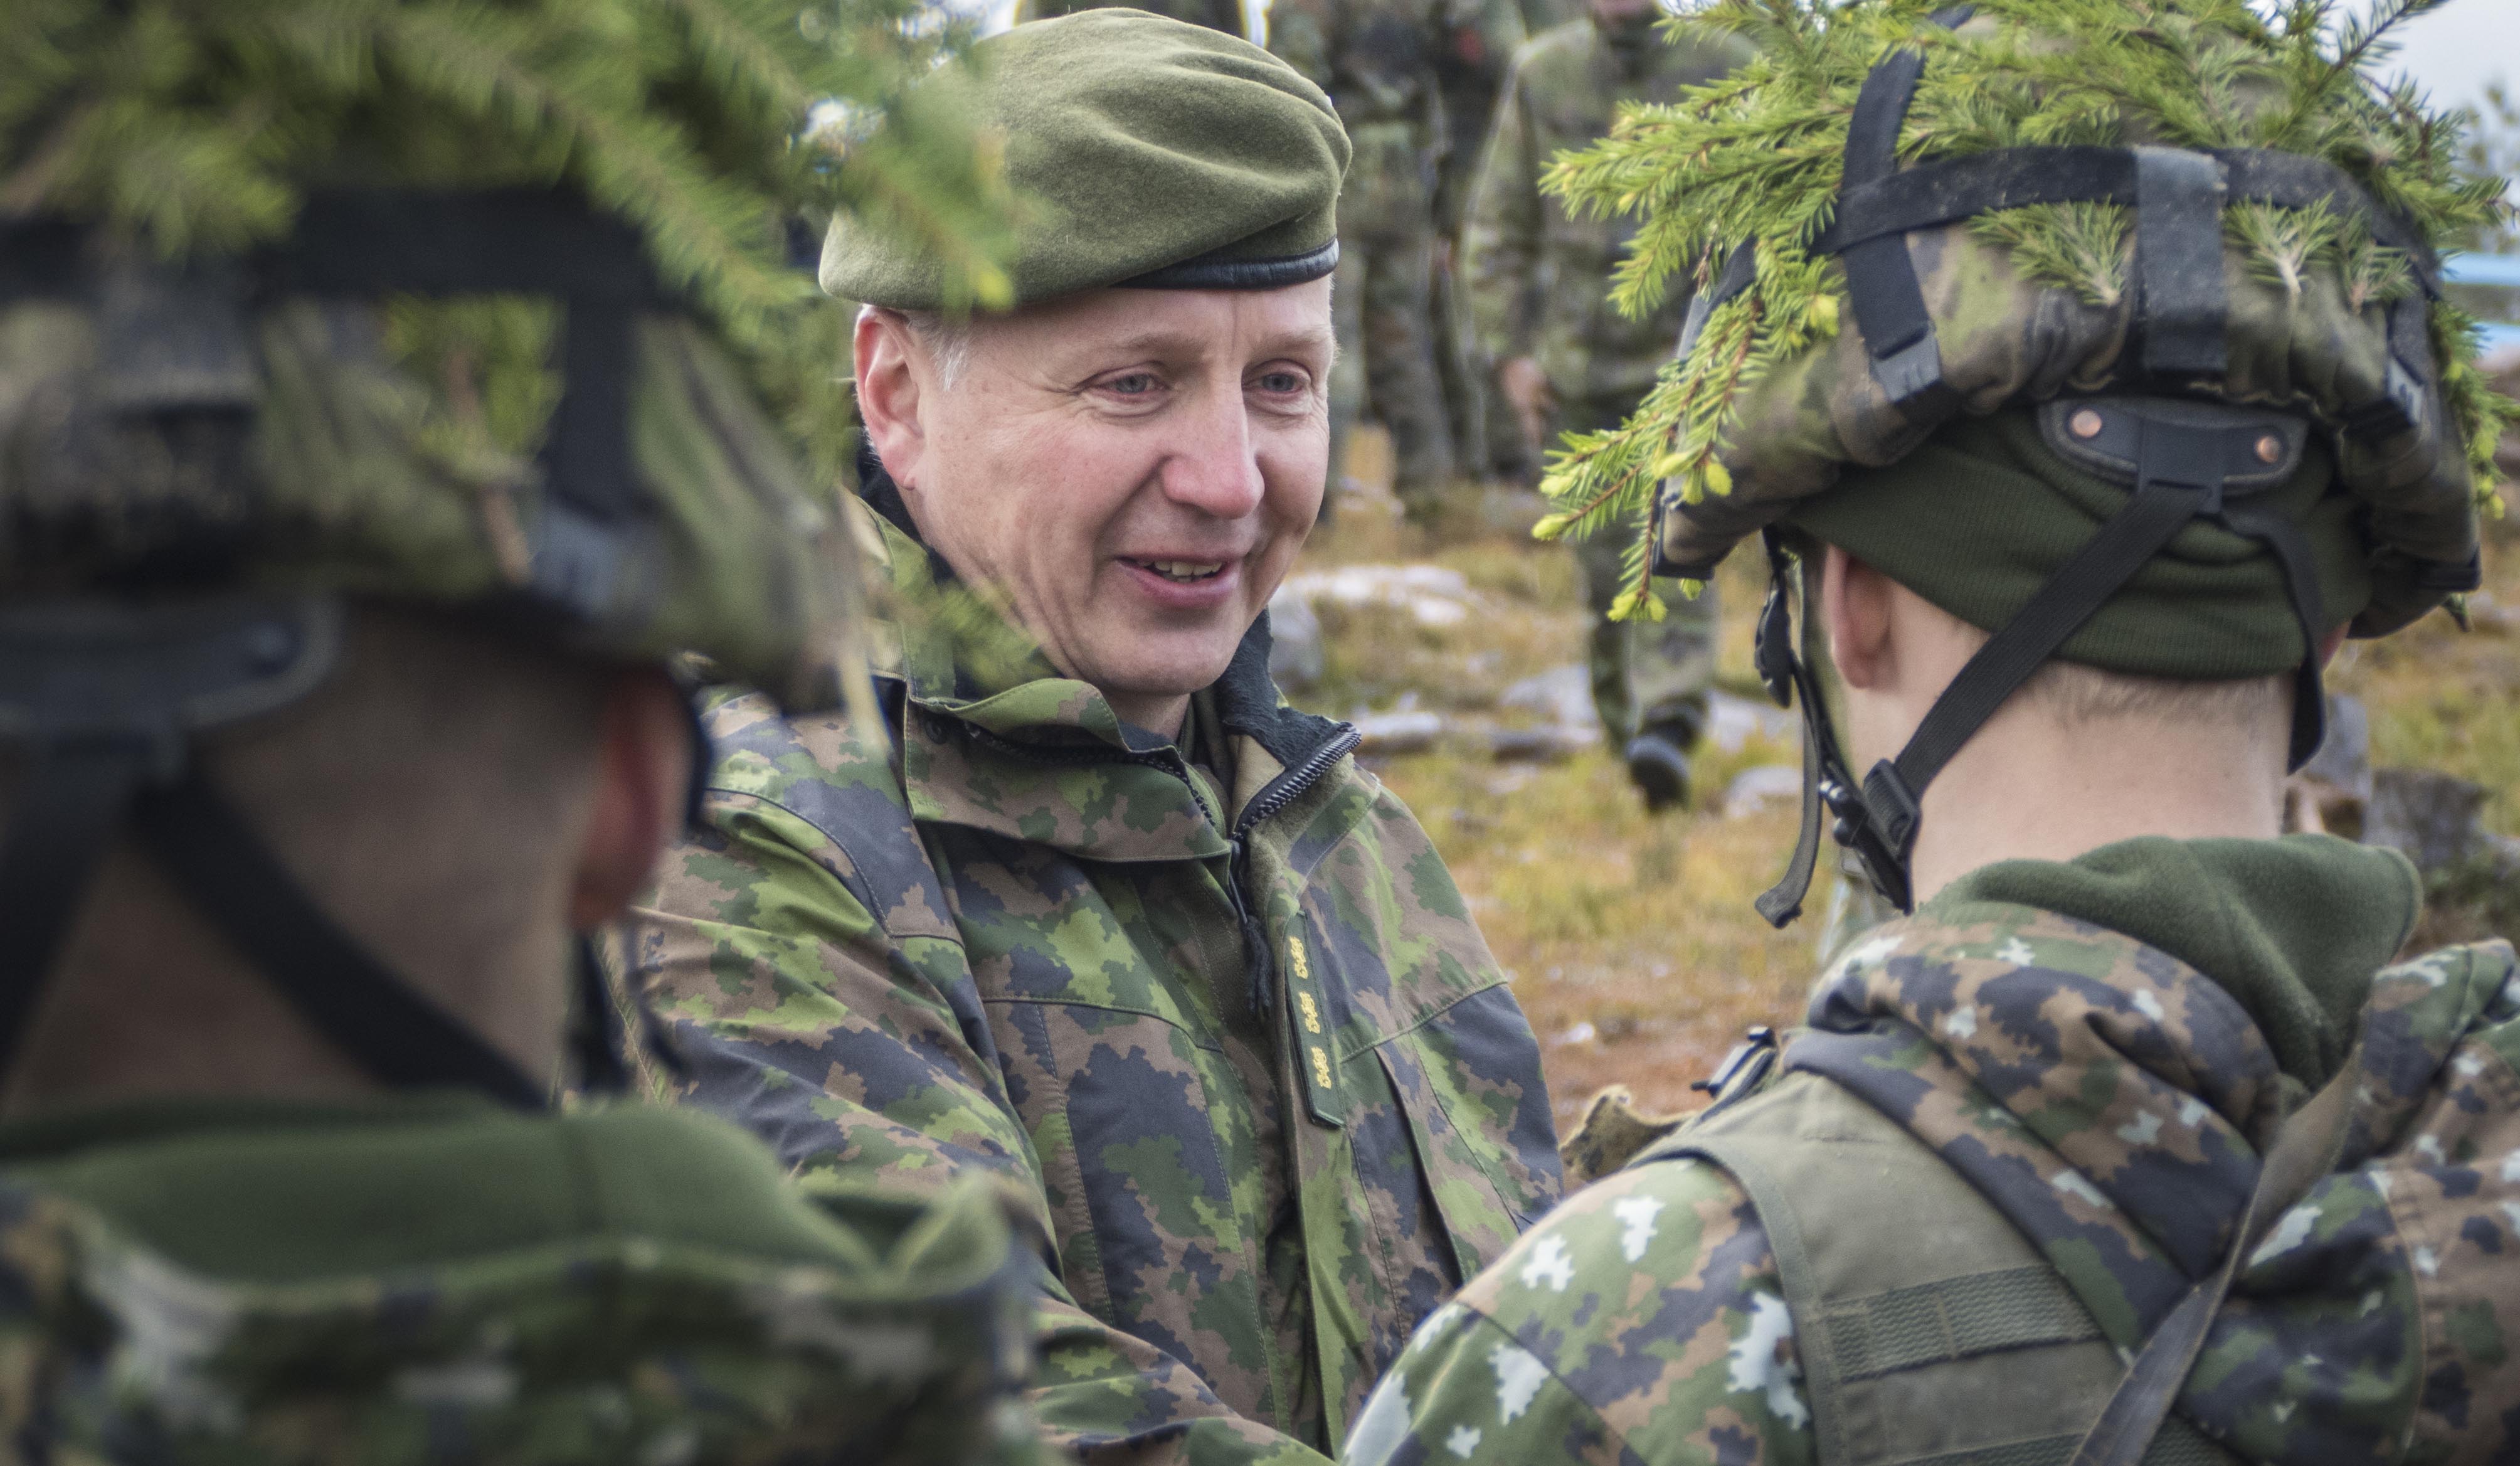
x: 1134, y: 469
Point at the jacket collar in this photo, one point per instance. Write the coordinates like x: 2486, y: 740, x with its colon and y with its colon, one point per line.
x: 2104, y: 1093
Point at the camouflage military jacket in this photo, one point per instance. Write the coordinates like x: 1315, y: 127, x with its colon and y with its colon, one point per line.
x: 1225, y: 1025
x: 2110, y: 1101
x: 1538, y: 276
x: 434, y: 1279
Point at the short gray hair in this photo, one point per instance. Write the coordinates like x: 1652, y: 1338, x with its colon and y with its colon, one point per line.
x: 948, y: 340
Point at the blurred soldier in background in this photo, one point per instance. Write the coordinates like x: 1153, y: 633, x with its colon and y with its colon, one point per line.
x: 1486, y: 443
x: 331, y: 724
x: 1567, y: 361
x: 1378, y: 59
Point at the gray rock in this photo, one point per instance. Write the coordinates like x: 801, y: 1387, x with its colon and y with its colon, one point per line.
x: 2343, y: 761
x: 1765, y: 786
x: 1399, y: 732
x: 1295, y: 653
x: 1547, y: 744
x: 1732, y: 722
x: 1563, y: 694
x: 2435, y: 819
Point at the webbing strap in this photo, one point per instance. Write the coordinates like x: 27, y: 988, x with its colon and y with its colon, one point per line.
x: 1790, y: 676
x: 1880, y: 279
x: 2283, y: 539
x: 596, y: 1031
x: 1954, y: 1318
x: 1947, y: 190
x: 70, y: 802
x: 400, y: 1038
x: 2178, y: 1444
x: 2160, y: 508
x: 2179, y: 262
x: 2304, y: 1150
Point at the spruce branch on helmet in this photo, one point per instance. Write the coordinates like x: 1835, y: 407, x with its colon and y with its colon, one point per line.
x: 2172, y: 265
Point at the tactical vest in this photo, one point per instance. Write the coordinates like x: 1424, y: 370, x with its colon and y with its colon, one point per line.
x: 1931, y: 1332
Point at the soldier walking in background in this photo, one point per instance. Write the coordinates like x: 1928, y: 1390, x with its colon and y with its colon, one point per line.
x: 1470, y: 76
x: 1567, y: 361
x: 1378, y: 59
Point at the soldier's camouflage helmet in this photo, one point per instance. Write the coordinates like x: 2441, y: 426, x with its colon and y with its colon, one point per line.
x: 2114, y: 328
x: 204, y: 452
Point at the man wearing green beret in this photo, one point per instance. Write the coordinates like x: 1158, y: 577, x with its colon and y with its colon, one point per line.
x: 2131, y: 1139
x: 1094, y: 913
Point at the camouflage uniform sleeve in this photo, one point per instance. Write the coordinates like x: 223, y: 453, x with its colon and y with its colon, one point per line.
x: 1642, y: 1323
x: 862, y: 1057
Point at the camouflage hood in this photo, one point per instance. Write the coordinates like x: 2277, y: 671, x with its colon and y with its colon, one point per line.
x: 2110, y: 1101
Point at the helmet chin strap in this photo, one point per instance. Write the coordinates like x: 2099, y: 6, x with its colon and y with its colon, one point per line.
x: 107, y: 700
x: 2186, y: 462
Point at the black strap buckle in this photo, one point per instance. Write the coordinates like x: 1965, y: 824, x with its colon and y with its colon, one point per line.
x: 106, y: 697
x: 1747, y: 1064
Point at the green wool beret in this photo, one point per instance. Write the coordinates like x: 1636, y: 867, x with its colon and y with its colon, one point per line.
x: 1980, y: 516
x: 1143, y: 152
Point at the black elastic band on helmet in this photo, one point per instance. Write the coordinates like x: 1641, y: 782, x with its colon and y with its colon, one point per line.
x: 399, y: 1037
x: 1880, y: 279
x: 2188, y: 461
x: 70, y: 804
x: 107, y: 698
x: 1789, y: 676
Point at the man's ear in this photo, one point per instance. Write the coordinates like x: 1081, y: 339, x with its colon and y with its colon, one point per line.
x: 888, y: 391
x: 642, y: 781
x: 1855, y: 611
x: 2332, y: 643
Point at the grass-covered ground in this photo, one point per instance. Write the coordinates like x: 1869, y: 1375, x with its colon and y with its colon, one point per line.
x: 1632, y: 938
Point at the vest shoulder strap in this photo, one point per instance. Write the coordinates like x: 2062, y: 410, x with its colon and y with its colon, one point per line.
x: 1931, y: 1332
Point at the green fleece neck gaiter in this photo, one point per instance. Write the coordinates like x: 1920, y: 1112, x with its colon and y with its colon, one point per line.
x: 2293, y: 928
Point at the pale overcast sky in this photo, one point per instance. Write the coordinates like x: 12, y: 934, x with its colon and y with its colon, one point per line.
x: 2454, y: 51
x: 2460, y: 47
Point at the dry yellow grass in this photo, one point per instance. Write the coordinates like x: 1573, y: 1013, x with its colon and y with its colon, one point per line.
x: 1632, y: 939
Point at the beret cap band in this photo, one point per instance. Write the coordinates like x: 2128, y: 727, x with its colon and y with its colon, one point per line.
x: 1224, y: 272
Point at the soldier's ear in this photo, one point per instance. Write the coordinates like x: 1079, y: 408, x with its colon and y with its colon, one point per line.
x: 643, y: 773
x: 888, y: 391
x: 1855, y: 610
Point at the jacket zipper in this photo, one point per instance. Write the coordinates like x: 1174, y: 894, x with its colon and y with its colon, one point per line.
x: 1276, y: 795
